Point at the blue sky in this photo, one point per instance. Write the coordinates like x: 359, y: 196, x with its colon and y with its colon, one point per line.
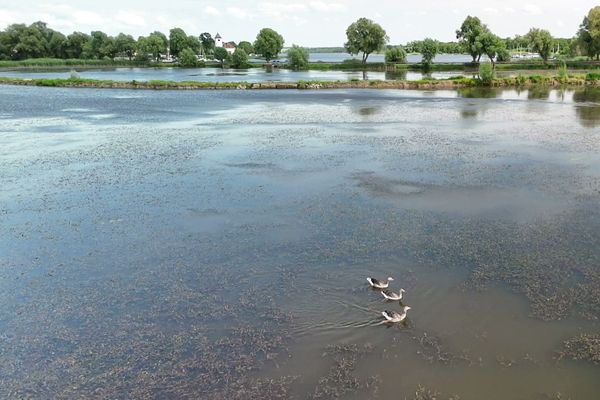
x: 308, y: 23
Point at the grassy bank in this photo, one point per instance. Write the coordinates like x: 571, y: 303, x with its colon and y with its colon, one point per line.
x: 590, y: 79
x: 74, y: 62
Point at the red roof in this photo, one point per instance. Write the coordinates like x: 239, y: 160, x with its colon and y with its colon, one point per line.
x: 229, y: 45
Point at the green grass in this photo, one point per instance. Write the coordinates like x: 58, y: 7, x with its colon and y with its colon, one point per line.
x: 591, y: 79
x: 56, y: 62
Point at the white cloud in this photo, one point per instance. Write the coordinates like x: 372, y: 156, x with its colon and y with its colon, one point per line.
x: 491, y: 11
x: 210, y: 10
x: 130, y: 19
x: 88, y: 18
x: 237, y: 12
x: 532, y: 9
x: 327, y: 7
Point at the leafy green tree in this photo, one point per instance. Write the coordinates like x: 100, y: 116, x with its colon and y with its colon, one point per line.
x: 75, y: 44
x: 221, y: 54
x: 177, y: 41
x: 239, y: 58
x: 487, y: 74
x: 208, y: 43
x: 541, y: 42
x: 469, y: 35
x: 32, y: 44
x: 193, y: 43
x: 125, y: 44
x: 429, y: 50
x: 365, y: 36
x: 395, y: 55
x: 589, y: 34
x: 492, y: 46
x: 187, y: 58
x: 57, y: 45
x: 95, y: 44
x: 268, y: 43
x: 155, y: 44
x: 298, y: 57
x: 109, y: 48
x: 246, y: 46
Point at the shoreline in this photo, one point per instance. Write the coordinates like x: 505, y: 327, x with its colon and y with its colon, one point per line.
x: 442, y: 84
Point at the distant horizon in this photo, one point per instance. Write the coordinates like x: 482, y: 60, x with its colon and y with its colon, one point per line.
x: 237, y: 21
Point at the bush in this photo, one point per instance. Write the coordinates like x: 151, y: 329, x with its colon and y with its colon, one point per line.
x: 593, y: 76
x: 563, y: 73
x: 395, y: 55
x: 187, y: 58
x: 486, y: 74
x: 297, y: 57
x: 239, y: 59
x: 521, y: 80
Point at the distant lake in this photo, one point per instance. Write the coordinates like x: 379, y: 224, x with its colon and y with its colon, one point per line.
x: 412, y: 58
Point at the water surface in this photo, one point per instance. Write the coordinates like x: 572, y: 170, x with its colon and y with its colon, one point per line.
x: 160, y: 244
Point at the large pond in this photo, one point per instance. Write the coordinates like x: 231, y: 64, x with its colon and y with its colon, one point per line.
x: 172, y: 244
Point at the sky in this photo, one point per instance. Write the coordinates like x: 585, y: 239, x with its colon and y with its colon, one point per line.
x: 307, y: 23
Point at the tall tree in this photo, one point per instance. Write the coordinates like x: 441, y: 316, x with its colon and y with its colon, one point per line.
x: 193, y: 43
x: 75, y: 45
x: 96, y: 44
x: 589, y: 33
x: 470, y: 34
x: 221, y: 54
x: 57, y: 45
x: 246, y: 46
x: 492, y: 46
x: 365, y: 36
x: 541, y: 42
x: 268, y: 43
x: 429, y: 50
x: 155, y: 44
x: 125, y: 44
x: 177, y: 41
x: 208, y: 43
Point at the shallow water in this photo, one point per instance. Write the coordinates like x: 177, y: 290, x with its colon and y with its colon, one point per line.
x: 220, y: 75
x: 216, y: 244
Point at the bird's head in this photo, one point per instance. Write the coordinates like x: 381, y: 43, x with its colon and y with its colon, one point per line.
x: 402, y: 290
x: 406, y: 308
x: 390, y: 278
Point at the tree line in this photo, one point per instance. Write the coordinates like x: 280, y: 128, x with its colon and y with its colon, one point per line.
x: 21, y: 41
x: 476, y: 39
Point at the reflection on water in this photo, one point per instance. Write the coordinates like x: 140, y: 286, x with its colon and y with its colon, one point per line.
x: 538, y: 92
x: 170, y: 244
x: 588, y: 111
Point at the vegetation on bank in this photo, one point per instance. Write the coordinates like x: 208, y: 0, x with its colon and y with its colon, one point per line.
x: 364, y: 37
x: 486, y: 79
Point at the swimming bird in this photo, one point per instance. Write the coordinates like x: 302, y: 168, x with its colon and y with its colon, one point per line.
x: 389, y: 295
x: 378, y: 284
x: 393, y: 316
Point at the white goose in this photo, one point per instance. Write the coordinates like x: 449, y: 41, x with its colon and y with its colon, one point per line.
x: 378, y: 284
x: 393, y: 316
x: 389, y: 295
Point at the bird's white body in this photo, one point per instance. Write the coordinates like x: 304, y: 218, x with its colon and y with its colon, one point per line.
x: 393, y: 296
x: 378, y: 284
x: 393, y: 316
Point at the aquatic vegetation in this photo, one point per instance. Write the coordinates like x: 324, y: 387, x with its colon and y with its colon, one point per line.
x: 341, y: 381
x: 583, y: 347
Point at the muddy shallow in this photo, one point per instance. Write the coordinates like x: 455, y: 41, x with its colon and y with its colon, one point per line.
x: 216, y: 244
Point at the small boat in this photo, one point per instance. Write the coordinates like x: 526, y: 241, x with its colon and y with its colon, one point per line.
x: 378, y: 284
x: 393, y: 316
x: 389, y: 295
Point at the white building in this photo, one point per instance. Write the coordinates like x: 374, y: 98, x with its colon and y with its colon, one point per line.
x: 229, y: 46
